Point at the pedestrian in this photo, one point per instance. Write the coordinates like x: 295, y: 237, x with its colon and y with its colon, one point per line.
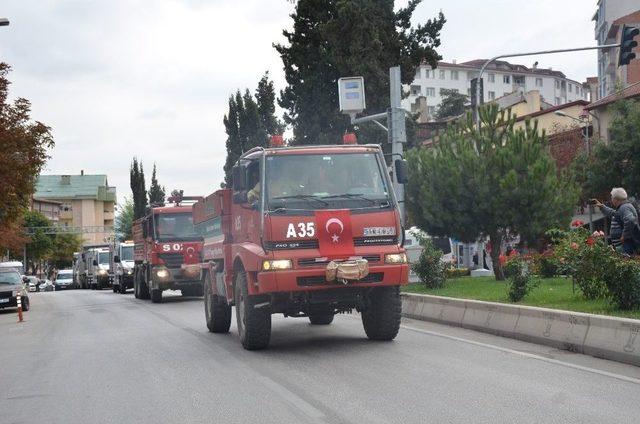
x: 624, y: 219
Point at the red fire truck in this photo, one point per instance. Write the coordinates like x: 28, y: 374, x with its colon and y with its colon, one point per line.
x: 307, y: 232
x: 167, y: 251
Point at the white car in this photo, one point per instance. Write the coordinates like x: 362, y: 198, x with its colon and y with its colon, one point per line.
x: 64, y: 279
x: 32, y: 282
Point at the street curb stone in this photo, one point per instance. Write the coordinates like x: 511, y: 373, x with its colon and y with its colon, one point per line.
x: 613, y: 338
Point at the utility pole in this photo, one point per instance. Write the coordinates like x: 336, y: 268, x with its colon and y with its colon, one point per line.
x: 395, y: 116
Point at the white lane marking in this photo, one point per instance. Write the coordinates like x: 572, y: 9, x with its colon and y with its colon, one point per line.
x: 526, y: 355
x: 304, y: 406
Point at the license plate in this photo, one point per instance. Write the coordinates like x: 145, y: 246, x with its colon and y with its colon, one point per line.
x: 4, y: 300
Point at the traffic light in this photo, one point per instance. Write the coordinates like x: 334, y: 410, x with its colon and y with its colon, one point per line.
x: 627, y: 44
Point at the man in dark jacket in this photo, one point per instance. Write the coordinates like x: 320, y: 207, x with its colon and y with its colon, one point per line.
x: 624, y: 219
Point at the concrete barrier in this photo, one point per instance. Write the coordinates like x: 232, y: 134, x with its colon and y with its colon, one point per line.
x: 613, y: 338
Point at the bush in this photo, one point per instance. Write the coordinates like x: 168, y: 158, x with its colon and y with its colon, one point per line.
x: 547, y: 265
x: 520, y: 282
x: 457, y: 272
x: 623, y: 283
x: 429, y: 266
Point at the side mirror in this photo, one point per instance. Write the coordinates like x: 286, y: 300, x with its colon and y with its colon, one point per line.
x: 239, y: 196
x: 95, y: 262
x: 239, y: 174
x: 116, y: 259
x: 402, y: 171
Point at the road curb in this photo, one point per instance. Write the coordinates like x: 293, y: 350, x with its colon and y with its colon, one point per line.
x: 613, y: 338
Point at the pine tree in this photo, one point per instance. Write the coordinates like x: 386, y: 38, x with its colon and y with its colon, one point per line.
x: 266, y: 100
x: 494, y: 183
x: 335, y: 38
x: 156, y: 192
x: 138, y: 189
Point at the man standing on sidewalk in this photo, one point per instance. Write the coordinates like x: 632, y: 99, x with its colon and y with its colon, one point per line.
x: 624, y: 219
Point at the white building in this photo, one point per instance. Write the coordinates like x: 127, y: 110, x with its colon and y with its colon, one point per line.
x: 608, y: 11
x: 500, y: 78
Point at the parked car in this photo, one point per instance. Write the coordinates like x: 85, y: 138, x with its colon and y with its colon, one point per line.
x: 32, y: 282
x: 64, y: 279
x: 47, y: 285
x: 10, y: 286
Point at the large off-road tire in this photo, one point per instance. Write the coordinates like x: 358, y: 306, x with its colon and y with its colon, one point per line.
x: 217, y: 311
x: 143, y: 291
x: 156, y: 295
x: 321, y: 319
x: 381, y: 320
x: 254, y: 324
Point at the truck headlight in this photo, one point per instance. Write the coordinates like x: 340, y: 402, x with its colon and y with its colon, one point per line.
x: 395, y: 258
x: 276, y: 264
x: 102, y: 272
x: 162, y: 273
x: 128, y: 271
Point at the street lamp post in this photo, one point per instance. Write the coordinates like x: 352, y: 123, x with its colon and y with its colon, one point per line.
x: 588, y: 147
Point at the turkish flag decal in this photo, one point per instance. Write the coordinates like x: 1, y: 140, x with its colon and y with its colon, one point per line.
x: 335, y: 237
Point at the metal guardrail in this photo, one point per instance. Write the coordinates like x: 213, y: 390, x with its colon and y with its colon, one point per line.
x: 69, y: 230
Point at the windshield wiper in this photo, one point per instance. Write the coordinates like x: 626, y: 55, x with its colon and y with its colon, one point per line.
x: 351, y: 196
x: 301, y: 196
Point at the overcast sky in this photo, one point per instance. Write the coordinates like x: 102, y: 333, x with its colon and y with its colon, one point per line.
x: 123, y: 78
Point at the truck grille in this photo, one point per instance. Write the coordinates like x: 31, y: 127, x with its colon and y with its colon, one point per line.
x: 374, y: 241
x: 318, y: 280
x: 284, y: 245
x: 6, y: 294
x: 320, y: 261
x: 172, y: 260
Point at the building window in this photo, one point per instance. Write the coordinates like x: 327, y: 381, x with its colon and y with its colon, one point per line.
x: 570, y: 88
x: 416, y: 90
x: 506, y: 79
x: 431, y: 92
x: 492, y: 77
x: 454, y: 75
x: 431, y: 110
x: 441, y: 73
x: 492, y: 95
x: 538, y: 82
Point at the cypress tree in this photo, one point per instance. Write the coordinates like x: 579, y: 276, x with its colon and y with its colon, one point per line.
x: 156, y: 192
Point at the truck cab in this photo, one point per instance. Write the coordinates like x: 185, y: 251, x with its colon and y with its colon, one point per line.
x: 167, y: 251
x: 100, y: 275
x: 306, y: 232
x: 122, y: 266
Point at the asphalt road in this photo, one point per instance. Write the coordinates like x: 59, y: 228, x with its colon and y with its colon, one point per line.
x: 99, y: 357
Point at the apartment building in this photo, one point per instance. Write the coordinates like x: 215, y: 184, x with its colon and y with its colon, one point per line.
x: 500, y: 78
x: 608, y: 19
x: 87, y: 202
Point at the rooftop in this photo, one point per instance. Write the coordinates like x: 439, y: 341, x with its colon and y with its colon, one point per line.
x: 68, y: 187
x: 502, y: 65
x: 630, y: 92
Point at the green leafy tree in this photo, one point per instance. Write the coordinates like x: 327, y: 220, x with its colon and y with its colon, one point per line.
x: 266, y: 101
x: 452, y: 103
x: 494, y: 182
x: 335, y: 38
x: 124, y: 220
x: 244, y: 124
x: 616, y: 164
x: 138, y: 189
x: 62, y: 250
x: 40, y: 243
x: 156, y: 192
x: 23, y: 153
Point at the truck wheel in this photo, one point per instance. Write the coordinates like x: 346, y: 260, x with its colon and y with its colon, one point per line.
x: 381, y: 320
x: 114, y: 288
x: 123, y: 288
x: 321, y: 319
x: 156, y: 296
x: 136, y: 284
x: 217, y: 311
x: 254, y: 325
x: 144, y: 286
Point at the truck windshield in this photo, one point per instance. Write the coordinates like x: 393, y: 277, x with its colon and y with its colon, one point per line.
x: 175, y: 226
x: 126, y: 253
x: 326, y: 181
x: 103, y: 258
x: 9, y: 278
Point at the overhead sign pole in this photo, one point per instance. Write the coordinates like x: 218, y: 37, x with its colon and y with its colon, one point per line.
x: 352, y: 101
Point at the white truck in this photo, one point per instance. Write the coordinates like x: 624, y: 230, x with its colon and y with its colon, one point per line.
x: 99, y: 275
x: 122, y: 267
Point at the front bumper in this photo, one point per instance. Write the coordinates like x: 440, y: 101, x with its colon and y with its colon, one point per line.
x: 9, y: 302
x: 176, y: 280
x: 309, y: 279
